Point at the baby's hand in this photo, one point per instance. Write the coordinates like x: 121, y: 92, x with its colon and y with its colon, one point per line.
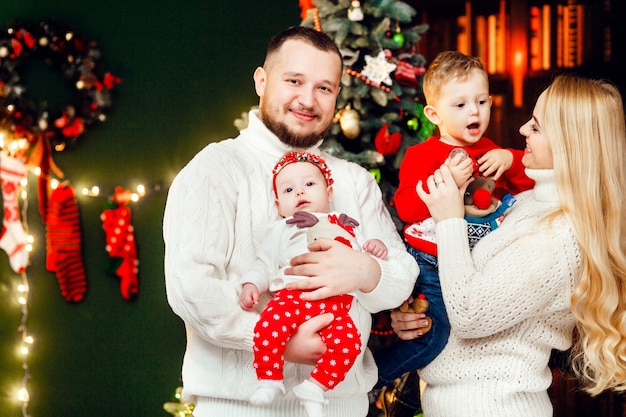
x: 461, y: 166
x: 249, y: 296
x: 495, y: 163
x: 376, y: 247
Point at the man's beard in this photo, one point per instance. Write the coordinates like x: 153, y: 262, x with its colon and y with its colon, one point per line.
x: 286, y: 136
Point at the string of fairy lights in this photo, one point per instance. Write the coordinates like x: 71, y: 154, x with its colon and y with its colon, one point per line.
x: 22, y: 296
x: 26, y: 340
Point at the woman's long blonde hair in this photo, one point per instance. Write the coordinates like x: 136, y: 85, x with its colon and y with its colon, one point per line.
x: 584, y: 121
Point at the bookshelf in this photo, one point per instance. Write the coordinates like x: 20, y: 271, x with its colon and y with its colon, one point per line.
x: 524, y: 43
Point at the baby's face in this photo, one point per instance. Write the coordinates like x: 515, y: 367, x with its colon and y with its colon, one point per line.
x: 301, y: 186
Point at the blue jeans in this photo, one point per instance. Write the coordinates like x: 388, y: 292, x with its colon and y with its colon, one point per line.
x: 409, y: 355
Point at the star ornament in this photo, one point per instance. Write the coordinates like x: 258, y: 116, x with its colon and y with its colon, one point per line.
x: 377, y: 69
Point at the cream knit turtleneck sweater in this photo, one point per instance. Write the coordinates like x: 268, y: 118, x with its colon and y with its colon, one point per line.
x: 218, y: 211
x: 509, y: 306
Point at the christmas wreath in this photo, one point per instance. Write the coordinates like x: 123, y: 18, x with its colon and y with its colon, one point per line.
x: 79, y: 62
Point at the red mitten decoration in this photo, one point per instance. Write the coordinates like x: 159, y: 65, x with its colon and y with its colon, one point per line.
x: 120, y: 243
x: 64, y: 243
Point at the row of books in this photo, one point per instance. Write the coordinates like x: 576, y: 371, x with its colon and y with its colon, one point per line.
x: 558, y: 36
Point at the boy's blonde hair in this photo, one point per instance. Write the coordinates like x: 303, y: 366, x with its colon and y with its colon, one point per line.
x: 448, y: 66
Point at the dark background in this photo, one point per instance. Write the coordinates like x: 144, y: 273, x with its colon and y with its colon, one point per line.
x: 186, y: 70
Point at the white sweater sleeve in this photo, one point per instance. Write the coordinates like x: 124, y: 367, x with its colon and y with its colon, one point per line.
x: 199, y: 243
x: 267, y: 263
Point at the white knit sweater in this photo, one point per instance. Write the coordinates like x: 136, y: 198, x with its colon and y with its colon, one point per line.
x: 217, y: 212
x: 509, y: 306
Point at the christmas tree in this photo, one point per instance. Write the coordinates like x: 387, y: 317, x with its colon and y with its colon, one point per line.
x: 380, y: 107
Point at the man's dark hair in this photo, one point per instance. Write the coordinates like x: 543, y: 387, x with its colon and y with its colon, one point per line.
x: 319, y: 40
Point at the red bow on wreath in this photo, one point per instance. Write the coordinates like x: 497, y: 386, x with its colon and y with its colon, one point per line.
x: 120, y: 242
x: 70, y: 128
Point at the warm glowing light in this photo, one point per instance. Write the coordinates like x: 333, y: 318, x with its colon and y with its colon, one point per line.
x: 22, y: 395
x: 518, y: 78
x: 91, y: 192
x: 134, y: 197
x: 22, y: 288
x: 54, y: 184
x: 22, y: 300
x: 37, y: 171
x: 29, y: 339
x: 24, y: 350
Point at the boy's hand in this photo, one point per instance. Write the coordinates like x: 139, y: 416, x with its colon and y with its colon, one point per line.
x: 495, y: 163
x: 461, y: 168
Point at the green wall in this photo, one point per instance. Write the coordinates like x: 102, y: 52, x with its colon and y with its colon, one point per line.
x: 186, y: 70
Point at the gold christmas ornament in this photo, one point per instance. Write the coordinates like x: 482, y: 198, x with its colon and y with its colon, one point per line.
x: 349, y: 121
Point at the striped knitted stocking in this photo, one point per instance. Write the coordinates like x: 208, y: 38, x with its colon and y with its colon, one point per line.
x: 63, y: 243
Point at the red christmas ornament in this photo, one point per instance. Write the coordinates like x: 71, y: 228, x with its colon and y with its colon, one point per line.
x: 386, y: 143
x: 120, y: 242
x: 305, y: 5
x: 406, y: 73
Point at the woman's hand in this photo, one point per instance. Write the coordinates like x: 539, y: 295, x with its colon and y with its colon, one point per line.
x: 306, y: 345
x: 408, y: 326
x: 443, y: 198
x: 333, y: 269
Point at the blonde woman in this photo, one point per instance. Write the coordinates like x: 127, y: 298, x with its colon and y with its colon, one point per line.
x: 556, y: 263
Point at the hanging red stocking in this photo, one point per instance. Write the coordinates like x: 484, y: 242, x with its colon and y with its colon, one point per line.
x: 120, y: 243
x: 12, y: 236
x: 63, y: 243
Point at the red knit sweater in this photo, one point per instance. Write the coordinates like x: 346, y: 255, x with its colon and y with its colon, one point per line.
x: 423, y: 159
